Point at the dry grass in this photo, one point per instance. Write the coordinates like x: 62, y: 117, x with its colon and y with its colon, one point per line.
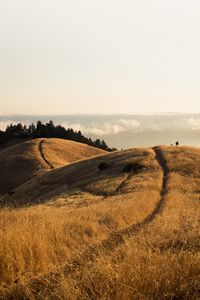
x: 61, y: 152
x: 84, y: 176
x: 21, y: 162
x: 18, y: 164
x: 43, y: 251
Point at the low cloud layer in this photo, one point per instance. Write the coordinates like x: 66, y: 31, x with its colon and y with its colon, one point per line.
x: 106, y: 128
x: 194, y: 123
x: 125, y: 130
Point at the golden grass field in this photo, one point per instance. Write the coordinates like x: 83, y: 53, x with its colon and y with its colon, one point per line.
x: 79, y: 233
x: 22, y: 161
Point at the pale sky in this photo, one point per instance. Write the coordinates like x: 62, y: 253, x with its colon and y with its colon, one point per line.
x: 99, y: 56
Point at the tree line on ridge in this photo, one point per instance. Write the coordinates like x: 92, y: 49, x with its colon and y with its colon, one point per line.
x: 48, y: 130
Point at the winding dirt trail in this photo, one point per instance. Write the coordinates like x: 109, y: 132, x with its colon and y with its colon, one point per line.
x: 123, y: 184
x: 163, y: 164
x: 118, y: 238
x: 118, y: 189
x: 43, y: 156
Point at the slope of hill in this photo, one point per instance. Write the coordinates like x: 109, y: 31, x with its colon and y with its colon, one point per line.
x: 121, y: 226
x: 20, y: 162
x: 59, y: 152
x: 10, y: 143
x: 85, y: 177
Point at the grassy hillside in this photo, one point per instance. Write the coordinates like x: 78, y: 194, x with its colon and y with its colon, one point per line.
x: 129, y: 231
x: 21, y: 162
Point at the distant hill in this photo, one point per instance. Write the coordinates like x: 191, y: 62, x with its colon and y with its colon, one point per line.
x: 21, y: 162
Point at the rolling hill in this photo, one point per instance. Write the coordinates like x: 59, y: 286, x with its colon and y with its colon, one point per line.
x: 124, y: 225
x: 21, y: 162
x: 85, y: 177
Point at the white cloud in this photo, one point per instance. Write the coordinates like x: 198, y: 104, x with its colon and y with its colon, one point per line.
x: 101, y: 127
x: 105, y: 128
x: 3, y: 124
x: 129, y: 124
x: 194, y: 122
x: 156, y: 127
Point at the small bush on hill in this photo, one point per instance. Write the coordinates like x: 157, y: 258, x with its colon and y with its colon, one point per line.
x: 132, y: 167
x: 103, y: 165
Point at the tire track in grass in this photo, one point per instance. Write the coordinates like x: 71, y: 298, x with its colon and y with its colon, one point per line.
x: 118, y: 238
x: 115, y: 239
x: 118, y: 189
x: 163, y: 164
x: 43, y: 156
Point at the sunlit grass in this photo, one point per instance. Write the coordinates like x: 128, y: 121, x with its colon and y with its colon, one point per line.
x: 160, y: 261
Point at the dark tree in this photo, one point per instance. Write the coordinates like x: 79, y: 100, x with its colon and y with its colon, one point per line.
x: 48, y: 130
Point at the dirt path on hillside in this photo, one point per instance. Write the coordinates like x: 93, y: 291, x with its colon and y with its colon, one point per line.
x: 163, y: 163
x: 123, y: 184
x: 118, y: 238
x: 43, y: 156
x: 118, y: 189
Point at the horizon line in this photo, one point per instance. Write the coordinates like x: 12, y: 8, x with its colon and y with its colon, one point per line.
x: 102, y: 114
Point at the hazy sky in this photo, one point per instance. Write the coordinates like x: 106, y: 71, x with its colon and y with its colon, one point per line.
x: 105, y: 56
